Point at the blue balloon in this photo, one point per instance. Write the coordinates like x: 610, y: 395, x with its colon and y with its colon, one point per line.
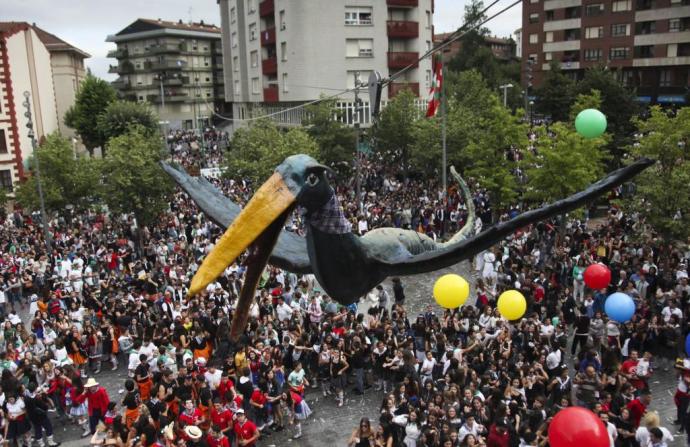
x: 619, y: 307
x: 687, y: 345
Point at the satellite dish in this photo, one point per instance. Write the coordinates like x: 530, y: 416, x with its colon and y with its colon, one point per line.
x: 374, y: 84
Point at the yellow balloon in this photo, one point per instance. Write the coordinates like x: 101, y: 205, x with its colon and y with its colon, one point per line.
x: 451, y: 291
x: 512, y: 304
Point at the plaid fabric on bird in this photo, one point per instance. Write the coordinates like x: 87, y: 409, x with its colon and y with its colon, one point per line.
x: 331, y: 218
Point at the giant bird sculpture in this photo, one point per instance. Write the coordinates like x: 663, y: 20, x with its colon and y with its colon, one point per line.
x: 346, y: 266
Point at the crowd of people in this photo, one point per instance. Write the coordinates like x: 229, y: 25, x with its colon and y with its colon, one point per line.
x: 93, y: 300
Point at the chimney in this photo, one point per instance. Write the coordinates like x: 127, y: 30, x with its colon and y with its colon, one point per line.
x: 179, y: 22
x: 201, y: 22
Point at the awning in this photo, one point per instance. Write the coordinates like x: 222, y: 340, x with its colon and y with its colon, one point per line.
x: 669, y: 99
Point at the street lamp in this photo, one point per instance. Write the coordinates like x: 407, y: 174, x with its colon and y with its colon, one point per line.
x: 32, y: 137
x: 505, y: 88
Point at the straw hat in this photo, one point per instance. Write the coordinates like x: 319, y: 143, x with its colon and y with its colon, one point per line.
x: 193, y: 432
x: 91, y: 382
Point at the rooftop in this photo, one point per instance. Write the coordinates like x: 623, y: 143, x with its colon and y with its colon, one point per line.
x: 140, y: 25
x: 51, y: 41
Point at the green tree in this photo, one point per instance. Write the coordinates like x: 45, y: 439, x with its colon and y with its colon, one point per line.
x: 336, y: 141
x: 93, y: 97
x: 255, y: 151
x: 64, y: 179
x: 120, y: 115
x: 133, y: 180
x: 393, y: 130
x: 556, y: 94
x: 663, y: 191
x: 617, y: 103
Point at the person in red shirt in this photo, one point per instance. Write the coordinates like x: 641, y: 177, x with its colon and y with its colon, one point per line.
x: 629, y: 370
x: 98, y: 401
x: 191, y: 414
x: 216, y: 438
x: 258, y: 401
x: 498, y: 435
x: 639, y: 406
x: 224, y: 386
x: 221, y: 417
x: 246, y: 432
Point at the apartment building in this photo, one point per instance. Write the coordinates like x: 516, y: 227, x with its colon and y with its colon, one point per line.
x: 49, y: 70
x: 646, y: 42
x: 282, y: 53
x: 503, y: 48
x: 175, y: 66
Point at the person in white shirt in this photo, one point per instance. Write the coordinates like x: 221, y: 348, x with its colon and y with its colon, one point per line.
x: 671, y: 309
x: 649, y: 421
x: 470, y: 427
x: 283, y: 311
x: 610, y: 428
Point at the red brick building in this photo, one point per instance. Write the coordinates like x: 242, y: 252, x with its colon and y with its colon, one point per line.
x: 646, y: 42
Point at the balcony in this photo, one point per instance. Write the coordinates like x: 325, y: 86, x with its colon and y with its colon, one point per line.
x: 169, y: 97
x: 269, y: 66
x: 124, y: 68
x: 403, y: 3
x: 120, y: 53
x: 271, y: 94
x: 403, y: 29
x: 403, y: 59
x: 121, y: 84
x: 268, y: 37
x: 165, y: 48
x: 266, y: 7
x: 397, y: 87
x: 162, y: 65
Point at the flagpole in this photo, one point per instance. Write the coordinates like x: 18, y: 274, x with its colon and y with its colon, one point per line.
x: 443, y: 126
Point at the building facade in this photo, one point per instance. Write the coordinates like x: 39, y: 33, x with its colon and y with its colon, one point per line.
x: 646, y: 42
x: 282, y: 53
x: 502, y: 48
x: 33, y: 61
x: 175, y: 66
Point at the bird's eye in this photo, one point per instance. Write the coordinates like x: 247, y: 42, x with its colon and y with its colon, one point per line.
x: 312, y: 179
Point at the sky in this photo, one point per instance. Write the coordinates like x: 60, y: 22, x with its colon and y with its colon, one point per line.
x: 86, y: 23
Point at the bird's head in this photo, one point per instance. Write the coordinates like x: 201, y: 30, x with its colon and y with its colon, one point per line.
x: 299, y: 180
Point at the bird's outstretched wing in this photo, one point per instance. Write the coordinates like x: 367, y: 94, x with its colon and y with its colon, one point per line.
x: 289, y: 253
x: 403, y: 263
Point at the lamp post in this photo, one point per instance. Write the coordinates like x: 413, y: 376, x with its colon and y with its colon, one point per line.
x: 505, y: 88
x: 32, y: 136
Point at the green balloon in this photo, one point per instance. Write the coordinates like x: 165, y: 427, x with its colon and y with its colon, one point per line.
x: 590, y: 123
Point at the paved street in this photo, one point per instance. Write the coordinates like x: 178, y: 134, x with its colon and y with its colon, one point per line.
x: 330, y: 425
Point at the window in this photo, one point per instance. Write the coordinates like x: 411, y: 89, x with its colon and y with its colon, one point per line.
x: 622, y: 29
x: 233, y: 15
x: 532, y: 58
x: 594, y: 32
x: 673, y: 25
x: 358, y: 16
x: 237, y: 87
x: 3, y: 142
x: 595, y: 9
x: 252, y: 31
x: 208, y: 79
x: 534, y: 17
x: 593, y: 54
x: 235, y: 63
x: 255, y: 86
x: 548, y: 36
x: 548, y: 16
x: 254, y: 58
x: 621, y: 5
x: 534, y: 1
x: 645, y: 27
x: 665, y: 78
x: 534, y: 38
x: 428, y: 19
x: 285, y: 82
x: 281, y: 16
x: 573, y: 12
x: 572, y: 34
x: 351, y: 75
x: 617, y: 53
x: 548, y: 56
x: 283, y: 51
x: 428, y: 45
x: 644, y: 51
x: 233, y: 39
x: 6, y: 179
x: 251, y: 6
x: 359, y: 48
x: 427, y: 79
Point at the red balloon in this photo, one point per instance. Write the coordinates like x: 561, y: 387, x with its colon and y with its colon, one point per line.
x: 577, y: 427
x: 597, y: 276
